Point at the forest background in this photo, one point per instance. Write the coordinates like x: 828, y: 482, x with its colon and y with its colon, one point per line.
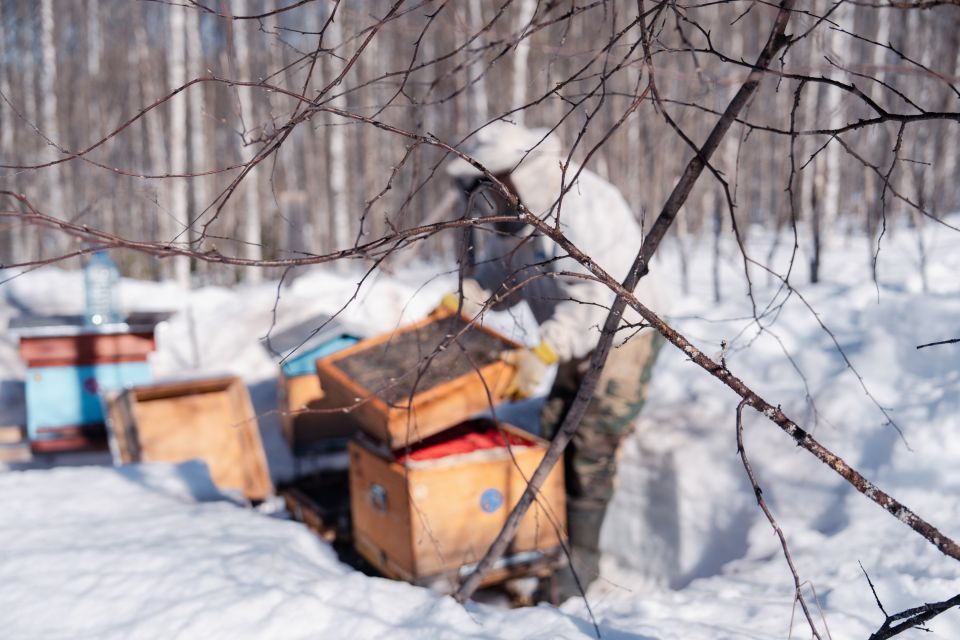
x: 75, y: 75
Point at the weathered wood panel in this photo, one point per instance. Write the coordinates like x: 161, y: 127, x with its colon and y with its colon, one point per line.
x: 465, y: 386
x: 210, y: 419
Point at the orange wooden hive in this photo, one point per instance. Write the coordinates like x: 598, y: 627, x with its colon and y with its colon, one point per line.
x: 209, y: 419
x: 428, y: 521
x: 454, y: 372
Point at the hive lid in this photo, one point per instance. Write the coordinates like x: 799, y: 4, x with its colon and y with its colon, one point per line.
x: 296, y: 348
x: 34, y: 326
x: 420, y: 379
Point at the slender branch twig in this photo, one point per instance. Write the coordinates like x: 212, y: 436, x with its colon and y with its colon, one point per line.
x: 758, y: 494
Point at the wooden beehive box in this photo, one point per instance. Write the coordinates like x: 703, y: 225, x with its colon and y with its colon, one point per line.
x: 209, y: 419
x: 307, y: 417
x: 322, y: 502
x: 68, y: 366
x: 407, y: 385
x: 428, y: 520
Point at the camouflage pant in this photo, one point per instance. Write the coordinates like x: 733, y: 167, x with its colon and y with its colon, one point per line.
x: 590, y: 459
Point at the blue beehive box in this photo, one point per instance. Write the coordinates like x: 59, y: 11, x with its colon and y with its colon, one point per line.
x: 300, y: 398
x: 69, y: 366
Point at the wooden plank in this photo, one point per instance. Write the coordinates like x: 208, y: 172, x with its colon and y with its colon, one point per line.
x: 453, y: 530
x: 50, y: 351
x: 308, y: 415
x: 305, y: 510
x: 381, y: 529
x: 173, y: 389
x: 370, y: 412
x: 11, y: 434
x: 299, y: 391
x: 289, y: 399
x: 257, y: 483
x: 70, y: 442
x: 542, y: 564
x: 10, y: 453
x: 322, y: 502
x: 447, y: 404
x: 118, y: 419
x: 83, y: 437
x: 210, y: 419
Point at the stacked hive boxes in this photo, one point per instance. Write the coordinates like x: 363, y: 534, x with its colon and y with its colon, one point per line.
x: 309, y: 424
x: 69, y: 365
x: 430, y: 489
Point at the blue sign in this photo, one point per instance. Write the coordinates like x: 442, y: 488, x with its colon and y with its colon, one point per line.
x: 491, y: 500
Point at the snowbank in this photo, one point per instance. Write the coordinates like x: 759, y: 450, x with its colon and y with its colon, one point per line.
x: 146, y: 553
x: 150, y: 552
x: 684, y: 515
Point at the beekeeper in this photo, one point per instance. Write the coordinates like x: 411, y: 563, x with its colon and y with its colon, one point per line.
x: 513, y: 262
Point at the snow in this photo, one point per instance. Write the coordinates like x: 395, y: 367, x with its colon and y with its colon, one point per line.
x: 147, y: 551
x: 154, y: 551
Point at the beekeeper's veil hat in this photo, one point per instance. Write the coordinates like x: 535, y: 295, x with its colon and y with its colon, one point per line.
x: 501, y: 147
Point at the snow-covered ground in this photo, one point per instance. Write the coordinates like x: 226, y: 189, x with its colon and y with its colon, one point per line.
x: 151, y: 551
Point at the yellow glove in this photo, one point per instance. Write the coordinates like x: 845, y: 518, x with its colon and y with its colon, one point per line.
x: 531, y: 365
x: 474, y: 298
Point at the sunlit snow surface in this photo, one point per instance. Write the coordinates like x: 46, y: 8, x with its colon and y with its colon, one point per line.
x: 150, y: 551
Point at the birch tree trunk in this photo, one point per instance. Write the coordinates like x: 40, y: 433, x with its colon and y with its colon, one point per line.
x: 178, y: 219
x: 809, y: 177
x: 923, y: 155
x: 369, y: 180
x: 636, y: 157
x: 29, y: 235
x: 951, y: 191
x: 717, y: 215
x: 7, y: 126
x: 476, y: 76
x: 294, y: 238
x: 882, y: 140
x: 14, y: 253
x: 91, y: 188
x: 719, y: 209
x: 338, y: 160
x: 103, y: 75
x: 51, y: 129
x: 140, y: 141
x: 949, y: 142
x: 312, y: 152
x: 521, y: 56
x: 156, y: 141
x: 832, y: 170
x: 251, y: 234
x: 94, y: 38
x: 199, y: 159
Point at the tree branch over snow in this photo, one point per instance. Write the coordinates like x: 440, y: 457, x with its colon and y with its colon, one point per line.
x: 913, y: 618
x: 572, y: 101
x: 758, y: 494
x: 938, y: 343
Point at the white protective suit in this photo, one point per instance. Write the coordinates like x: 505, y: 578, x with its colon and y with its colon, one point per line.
x: 593, y: 215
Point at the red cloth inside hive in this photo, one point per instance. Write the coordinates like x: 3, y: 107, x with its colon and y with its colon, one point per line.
x: 476, y: 435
